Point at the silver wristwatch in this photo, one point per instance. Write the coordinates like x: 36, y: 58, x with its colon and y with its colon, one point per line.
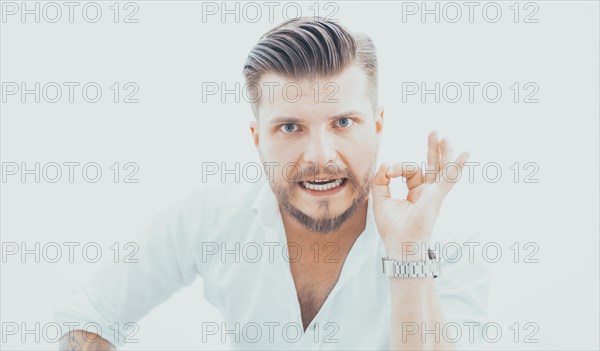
x: 428, y: 268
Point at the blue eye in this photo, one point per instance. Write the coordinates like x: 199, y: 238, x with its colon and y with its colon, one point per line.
x: 344, y: 122
x: 288, y: 128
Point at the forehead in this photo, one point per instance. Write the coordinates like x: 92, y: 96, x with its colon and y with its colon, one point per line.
x: 321, y: 97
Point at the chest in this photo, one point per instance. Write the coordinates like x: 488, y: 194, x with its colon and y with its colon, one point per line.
x: 314, y: 282
x: 288, y: 291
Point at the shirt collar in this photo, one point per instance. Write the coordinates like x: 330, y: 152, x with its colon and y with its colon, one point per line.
x: 266, y: 207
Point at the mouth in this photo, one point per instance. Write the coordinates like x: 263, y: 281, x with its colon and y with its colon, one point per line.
x: 323, y: 186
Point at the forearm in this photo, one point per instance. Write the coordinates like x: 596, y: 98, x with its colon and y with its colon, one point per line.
x: 407, y: 224
x: 415, y: 309
x: 417, y: 316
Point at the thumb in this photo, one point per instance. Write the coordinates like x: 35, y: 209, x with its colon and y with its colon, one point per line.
x: 380, y: 184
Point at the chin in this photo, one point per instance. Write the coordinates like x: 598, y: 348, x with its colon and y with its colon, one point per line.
x: 324, y: 208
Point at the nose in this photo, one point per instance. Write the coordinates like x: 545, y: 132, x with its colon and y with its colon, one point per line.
x: 320, y: 149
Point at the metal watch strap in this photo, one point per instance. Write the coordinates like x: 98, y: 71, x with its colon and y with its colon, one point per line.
x: 428, y: 268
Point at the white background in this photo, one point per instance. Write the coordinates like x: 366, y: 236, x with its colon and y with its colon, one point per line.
x: 170, y: 132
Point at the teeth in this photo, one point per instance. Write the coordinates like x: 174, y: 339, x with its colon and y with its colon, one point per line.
x: 323, y: 187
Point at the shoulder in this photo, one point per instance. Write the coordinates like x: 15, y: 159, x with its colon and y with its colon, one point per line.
x: 217, y: 208
x: 223, y: 197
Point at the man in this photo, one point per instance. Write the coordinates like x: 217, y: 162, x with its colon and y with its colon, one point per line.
x: 320, y: 226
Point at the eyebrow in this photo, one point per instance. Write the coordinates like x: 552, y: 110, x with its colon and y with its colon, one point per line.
x: 284, y: 119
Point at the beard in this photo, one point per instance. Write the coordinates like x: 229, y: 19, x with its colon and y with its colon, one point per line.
x: 327, y: 222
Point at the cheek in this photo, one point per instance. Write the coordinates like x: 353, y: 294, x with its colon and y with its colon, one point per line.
x: 280, y: 161
x: 360, y: 161
x: 360, y: 148
x: 284, y: 150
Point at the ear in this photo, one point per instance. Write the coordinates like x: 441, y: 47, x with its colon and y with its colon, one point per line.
x: 379, y: 121
x: 254, y: 131
x: 379, y: 124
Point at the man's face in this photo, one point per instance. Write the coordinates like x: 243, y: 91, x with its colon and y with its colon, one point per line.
x: 319, y: 140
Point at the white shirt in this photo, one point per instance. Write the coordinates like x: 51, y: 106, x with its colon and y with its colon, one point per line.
x: 214, y: 228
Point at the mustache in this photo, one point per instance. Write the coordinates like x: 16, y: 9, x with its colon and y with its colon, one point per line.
x: 313, y: 172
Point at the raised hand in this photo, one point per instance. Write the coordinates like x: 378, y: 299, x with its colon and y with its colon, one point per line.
x: 410, y: 221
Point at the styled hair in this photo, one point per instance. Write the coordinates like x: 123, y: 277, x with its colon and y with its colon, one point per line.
x: 309, y: 48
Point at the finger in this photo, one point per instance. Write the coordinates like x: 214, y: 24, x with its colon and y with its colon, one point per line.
x: 452, y: 173
x: 433, y: 153
x: 446, y: 151
x: 414, y: 195
x: 408, y: 170
x: 380, y: 184
x: 433, y: 157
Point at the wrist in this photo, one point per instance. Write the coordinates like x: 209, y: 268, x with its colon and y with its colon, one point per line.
x: 407, y: 251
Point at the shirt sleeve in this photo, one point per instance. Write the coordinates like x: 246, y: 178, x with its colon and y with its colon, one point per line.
x: 114, y: 298
x: 463, y: 288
